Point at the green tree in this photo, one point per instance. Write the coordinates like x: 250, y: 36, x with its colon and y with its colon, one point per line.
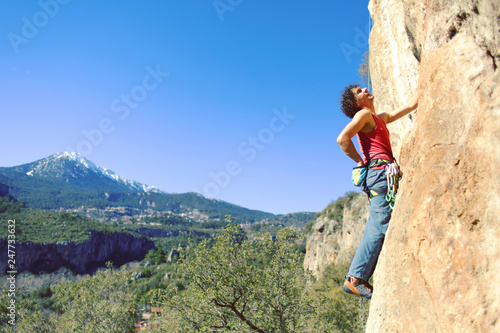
x: 229, y: 291
x: 9, y: 205
x: 335, y: 310
x: 36, y: 321
x: 364, y: 69
x: 28, y: 314
x: 102, y: 303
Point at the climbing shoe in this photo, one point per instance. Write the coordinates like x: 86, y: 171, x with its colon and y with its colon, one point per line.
x: 361, y: 288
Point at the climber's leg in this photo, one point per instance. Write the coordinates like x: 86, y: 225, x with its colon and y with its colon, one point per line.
x: 366, y: 255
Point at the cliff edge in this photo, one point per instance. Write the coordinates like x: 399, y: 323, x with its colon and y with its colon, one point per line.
x: 336, y: 233
x: 81, y: 257
x: 438, y: 270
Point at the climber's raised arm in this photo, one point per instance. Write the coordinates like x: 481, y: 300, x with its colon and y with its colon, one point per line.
x: 389, y: 117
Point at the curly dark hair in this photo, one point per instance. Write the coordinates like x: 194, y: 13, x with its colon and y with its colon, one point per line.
x: 348, y: 101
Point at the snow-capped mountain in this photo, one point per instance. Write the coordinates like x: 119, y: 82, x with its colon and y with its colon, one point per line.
x: 76, y: 170
x: 69, y: 181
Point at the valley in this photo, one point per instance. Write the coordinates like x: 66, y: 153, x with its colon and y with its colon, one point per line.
x: 74, y: 214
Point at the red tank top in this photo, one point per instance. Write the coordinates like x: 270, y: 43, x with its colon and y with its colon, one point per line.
x: 376, y: 144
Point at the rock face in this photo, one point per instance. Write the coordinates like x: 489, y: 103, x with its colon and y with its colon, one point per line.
x: 334, y: 240
x: 81, y: 258
x: 155, y: 232
x: 438, y: 270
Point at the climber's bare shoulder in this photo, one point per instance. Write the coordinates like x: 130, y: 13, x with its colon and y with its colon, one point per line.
x: 361, y: 122
x: 384, y: 116
x: 364, y: 120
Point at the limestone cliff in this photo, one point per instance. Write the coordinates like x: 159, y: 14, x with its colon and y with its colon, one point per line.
x: 336, y: 233
x: 438, y: 270
x: 82, y: 257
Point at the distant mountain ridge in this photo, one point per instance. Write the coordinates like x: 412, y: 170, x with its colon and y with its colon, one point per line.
x: 75, y: 170
x: 68, y: 181
x: 72, y: 213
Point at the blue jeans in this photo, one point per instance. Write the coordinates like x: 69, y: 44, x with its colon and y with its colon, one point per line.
x: 365, y: 259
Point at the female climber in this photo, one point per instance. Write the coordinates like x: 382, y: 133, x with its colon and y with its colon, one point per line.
x: 373, y: 174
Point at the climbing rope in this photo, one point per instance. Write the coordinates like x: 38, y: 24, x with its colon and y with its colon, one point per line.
x: 368, y: 62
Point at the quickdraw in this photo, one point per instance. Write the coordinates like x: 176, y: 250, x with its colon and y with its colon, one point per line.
x: 392, y: 173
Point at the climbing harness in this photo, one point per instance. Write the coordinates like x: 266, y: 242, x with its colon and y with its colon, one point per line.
x: 392, y: 174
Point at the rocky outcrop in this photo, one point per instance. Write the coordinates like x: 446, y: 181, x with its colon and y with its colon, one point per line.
x: 158, y: 232
x: 173, y: 255
x: 335, y: 239
x: 81, y: 258
x: 438, y: 270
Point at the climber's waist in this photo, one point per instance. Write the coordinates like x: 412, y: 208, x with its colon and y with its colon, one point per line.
x: 378, y: 163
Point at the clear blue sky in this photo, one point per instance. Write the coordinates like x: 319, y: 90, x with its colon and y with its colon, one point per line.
x: 237, y: 100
